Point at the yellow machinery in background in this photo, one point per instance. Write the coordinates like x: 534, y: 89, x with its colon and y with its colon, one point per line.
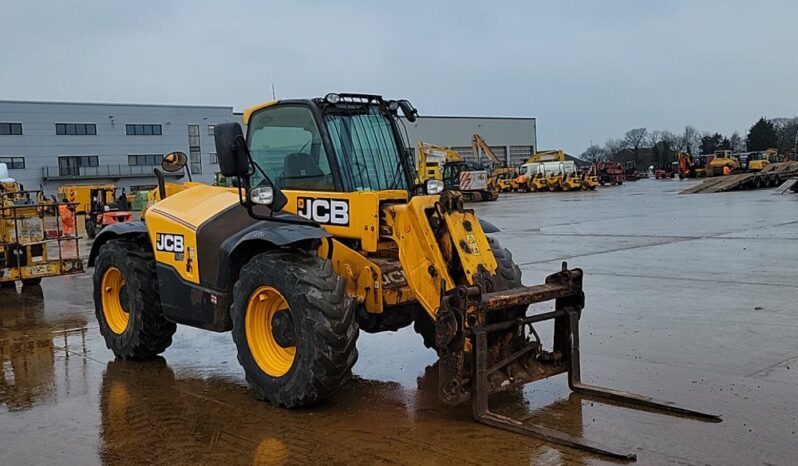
x: 757, y: 161
x: 442, y: 163
x: 504, y: 180
x: 325, y: 237
x: 722, y: 159
x: 30, y: 248
x: 81, y: 195
x: 690, y: 166
x: 500, y: 177
x: 550, y: 170
x: 430, y: 160
x: 590, y: 179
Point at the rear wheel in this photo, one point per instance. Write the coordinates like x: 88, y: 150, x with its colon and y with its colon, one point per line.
x: 295, y: 328
x: 127, y: 301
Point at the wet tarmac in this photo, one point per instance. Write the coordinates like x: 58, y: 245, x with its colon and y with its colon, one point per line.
x: 690, y: 298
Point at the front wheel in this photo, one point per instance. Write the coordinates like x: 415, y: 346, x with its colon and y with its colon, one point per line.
x: 294, y: 328
x: 127, y: 301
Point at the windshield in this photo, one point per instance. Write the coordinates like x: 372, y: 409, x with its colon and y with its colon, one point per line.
x: 365, y: 148
x: 285, y: 142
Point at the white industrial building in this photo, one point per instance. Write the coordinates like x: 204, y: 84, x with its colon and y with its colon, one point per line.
x: 49, y: 144
x: 512, y: 139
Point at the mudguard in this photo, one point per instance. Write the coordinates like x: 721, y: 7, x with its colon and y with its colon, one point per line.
x: 261, y: 236
x: 488, y: 227
x: 117, y: 230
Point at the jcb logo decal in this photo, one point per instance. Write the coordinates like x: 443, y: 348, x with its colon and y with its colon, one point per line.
x: 325, y: 211
x: 169, y: 242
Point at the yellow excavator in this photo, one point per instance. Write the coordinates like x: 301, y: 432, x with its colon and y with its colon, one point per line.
x: 757, y: 161
x: 722, y: 159
x: 446, y: 164
x: 501, y: 177
x: 324, y: 237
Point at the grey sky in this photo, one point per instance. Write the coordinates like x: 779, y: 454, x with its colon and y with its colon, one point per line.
x: 587, y: 70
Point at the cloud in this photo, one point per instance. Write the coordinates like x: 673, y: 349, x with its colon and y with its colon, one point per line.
x: 588, y: 70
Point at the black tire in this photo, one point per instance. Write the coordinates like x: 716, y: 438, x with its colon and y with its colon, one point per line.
x: 323, y: 320
x: 91, y: 228
x: 147, y: 333
x: 32, y: 282
x: 8, y: 286
x: 507, y: 270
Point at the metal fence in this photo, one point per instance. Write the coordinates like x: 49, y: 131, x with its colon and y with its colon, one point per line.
x: 102, y: 171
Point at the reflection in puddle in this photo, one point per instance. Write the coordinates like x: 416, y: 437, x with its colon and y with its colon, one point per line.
x: 33, y: 350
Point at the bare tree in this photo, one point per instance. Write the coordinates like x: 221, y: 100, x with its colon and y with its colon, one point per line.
x: 787, y: 131
x: 634, y: 138
x: 594, y: 153
x: 689, y: 140
x: 662, y: 145
x: 614, y: 146
x: 737, y: 142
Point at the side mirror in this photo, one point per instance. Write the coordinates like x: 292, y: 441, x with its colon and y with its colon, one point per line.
x: 174, y: 161
x: 408, y: 110
x: 235, y: 161
x: 231, y: 150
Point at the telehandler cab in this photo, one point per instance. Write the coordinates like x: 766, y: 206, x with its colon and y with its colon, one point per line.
x: 324, y: 236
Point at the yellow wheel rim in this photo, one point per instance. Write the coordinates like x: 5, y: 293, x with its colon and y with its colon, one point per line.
x: 115, y: 314
x: 272, y: 358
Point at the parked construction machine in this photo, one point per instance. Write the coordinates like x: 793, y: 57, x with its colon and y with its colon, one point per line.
x: 82, y: 195
x: 610, y: 172
x: 722, y: 159
x: 325, y: 237
x: 504, y: 180
x: 552, y: 176
x: 692, y: 167
x: 447, y: 165
x: 32, y: 244
x: 756, y: 161
x: 99, y: 204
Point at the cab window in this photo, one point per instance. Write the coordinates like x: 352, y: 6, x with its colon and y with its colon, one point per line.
x: 285, y: 142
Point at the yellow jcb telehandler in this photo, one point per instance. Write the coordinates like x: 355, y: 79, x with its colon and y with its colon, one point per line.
x: 323, y: 237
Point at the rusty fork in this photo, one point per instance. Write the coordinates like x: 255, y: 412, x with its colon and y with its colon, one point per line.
x: 569, y: 299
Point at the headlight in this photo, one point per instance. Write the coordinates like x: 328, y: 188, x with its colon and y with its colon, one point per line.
x: 263, y: 195
x: 434, y: 186
x: 332, y: 98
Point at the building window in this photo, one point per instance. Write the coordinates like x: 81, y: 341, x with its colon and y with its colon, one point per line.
x: 10, y: 129
x: 142, y: 187
x: 76, y: 129
x: 211, y: 128
x: 144, y: 159
x: 214, y: 160
x: 70, y: 165
x: 194, y: 151
x: 143, y: 130
x: 13, y: 163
